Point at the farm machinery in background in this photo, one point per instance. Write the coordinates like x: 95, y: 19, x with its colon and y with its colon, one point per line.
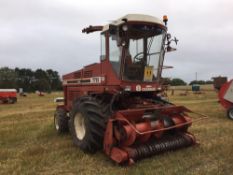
x: 8, y: 96
x: 225, y: 94
x: 114, y: 105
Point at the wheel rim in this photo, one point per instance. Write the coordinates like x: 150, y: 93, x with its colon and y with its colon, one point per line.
x: 231, y: 114
x: 56, y: 123
x: 79, y: 126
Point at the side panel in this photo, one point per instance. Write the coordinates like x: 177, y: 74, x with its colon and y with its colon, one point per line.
x: 229, y: 93
x: 221, y: 95
x: 73, y: 93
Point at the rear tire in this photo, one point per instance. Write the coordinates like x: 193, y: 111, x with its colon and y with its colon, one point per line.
x: 12, y: 100
x: 230, y: 113
x: 61, y: 121
x: 88, y: 124
x: 5, y: 101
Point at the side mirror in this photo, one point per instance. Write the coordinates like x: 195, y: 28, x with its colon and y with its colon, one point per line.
x: 169, y: 40
x: 175, y: 40
x: 170, y: 49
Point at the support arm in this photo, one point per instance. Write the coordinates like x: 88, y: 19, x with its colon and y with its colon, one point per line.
x: 91, y: 29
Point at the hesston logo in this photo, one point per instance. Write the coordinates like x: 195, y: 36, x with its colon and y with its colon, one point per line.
x: 93, y: 80
x: 147, y: 88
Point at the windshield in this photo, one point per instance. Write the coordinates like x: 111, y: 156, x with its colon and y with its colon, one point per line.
x: 144, y: 54
x: 141, y: 56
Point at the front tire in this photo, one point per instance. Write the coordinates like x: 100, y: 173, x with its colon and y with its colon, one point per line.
x: 61, y: 121
x: 88, y: 124
x: 230, y: 113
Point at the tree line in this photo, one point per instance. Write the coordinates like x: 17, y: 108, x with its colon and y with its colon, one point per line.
x: 180, y: 82
x: 42, y: 80
x: 49, y: 80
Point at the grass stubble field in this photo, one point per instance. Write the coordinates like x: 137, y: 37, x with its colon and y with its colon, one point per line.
x: 30, y: 145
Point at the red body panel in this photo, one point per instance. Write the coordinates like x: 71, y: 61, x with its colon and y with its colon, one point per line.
x: 96, y: 79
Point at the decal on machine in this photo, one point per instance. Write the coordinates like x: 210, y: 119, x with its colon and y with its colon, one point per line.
x: 93, y: 80
x: 149, y: 89
x: 138, y: 88
x: 146, y: 88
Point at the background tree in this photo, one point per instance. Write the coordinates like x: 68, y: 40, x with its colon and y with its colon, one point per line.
x: 197, y: 82
x: 29, y: 80
x: 166, y: 81
x: 178, y: 82
x: 200, y: 82
x: 54, y: 79
x: 25, y: 78
x: 209, y: 82
x: 42, y: 82
x: 7, y: 78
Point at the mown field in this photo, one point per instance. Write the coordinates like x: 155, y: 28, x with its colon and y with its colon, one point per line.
x: 30, y: 145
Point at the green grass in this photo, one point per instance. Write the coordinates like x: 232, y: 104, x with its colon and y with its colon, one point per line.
x: 30, y: 145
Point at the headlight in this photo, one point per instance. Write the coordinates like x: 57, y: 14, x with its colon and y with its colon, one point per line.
x: 128, y: 88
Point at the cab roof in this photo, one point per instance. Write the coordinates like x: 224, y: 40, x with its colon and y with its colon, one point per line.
x: 135, y: 18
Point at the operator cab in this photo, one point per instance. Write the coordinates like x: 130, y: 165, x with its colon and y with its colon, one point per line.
x: 136, y: 47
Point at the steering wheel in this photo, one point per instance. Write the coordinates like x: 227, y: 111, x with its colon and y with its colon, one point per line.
x: 138, y: 57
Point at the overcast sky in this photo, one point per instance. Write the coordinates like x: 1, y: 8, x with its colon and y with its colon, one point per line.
x: 47, y: 33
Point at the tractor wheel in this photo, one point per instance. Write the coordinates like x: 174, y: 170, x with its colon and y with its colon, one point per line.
x: 87, y: 124
x: 12, y: 100
x: 4, y: 101
x: 230, y: 113
x: 61, y: 121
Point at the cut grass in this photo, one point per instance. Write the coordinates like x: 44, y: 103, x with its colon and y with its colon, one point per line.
x: 30, y: 145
